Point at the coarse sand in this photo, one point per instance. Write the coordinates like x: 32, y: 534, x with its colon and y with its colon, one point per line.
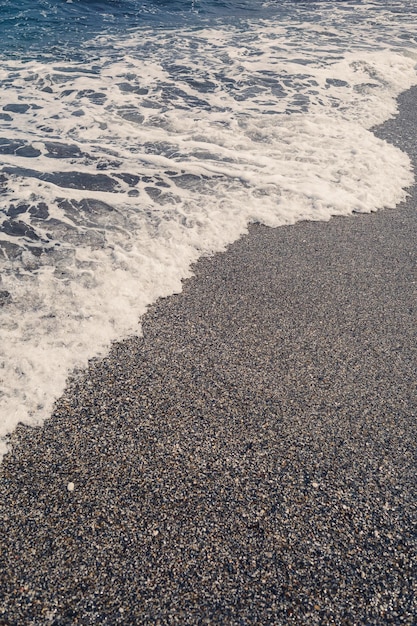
x: 251, y: 459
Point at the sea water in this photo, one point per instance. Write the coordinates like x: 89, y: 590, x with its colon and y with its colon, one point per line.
x: 137, y: 136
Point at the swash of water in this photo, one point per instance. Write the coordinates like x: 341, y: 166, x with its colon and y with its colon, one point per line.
x: 137, y: 136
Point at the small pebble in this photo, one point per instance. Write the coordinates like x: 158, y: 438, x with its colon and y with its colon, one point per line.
x: 70, y: 486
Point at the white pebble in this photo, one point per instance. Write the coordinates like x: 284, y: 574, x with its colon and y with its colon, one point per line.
x: 315, y: 485
x: 70, y: 486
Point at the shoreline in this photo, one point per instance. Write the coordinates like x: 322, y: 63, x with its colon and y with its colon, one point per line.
x: 251, y: 458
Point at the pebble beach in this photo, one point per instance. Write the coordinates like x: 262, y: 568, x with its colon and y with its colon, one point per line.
x: 251, y: 459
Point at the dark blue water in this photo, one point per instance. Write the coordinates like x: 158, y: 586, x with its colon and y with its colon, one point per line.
x: 38, y: 25
x: 30, y: 27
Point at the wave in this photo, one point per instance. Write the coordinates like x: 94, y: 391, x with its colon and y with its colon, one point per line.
x: 129, y: 156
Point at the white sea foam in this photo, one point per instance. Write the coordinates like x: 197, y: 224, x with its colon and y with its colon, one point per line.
x: 162, y: 151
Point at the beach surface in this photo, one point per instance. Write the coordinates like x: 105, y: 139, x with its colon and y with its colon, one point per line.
x: 251, y: 459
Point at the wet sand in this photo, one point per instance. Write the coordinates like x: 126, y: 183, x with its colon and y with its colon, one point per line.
x: 251, y: 459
